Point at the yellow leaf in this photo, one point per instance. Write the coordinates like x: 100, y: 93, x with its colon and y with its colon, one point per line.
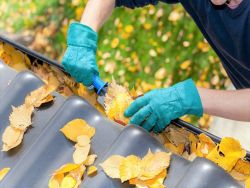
x: 161, y: 74
x: 83, y: 140
x: 153, y: 164
x: 66, y: 168
x: 81, y: 154
x: 9, y: 48
x: 238, y: 176
x: 68, y: 182
x: 114, y: 42
x: 247, y: 183
x: 243, y: 166
x: 55, y: 181
x: 147, y: 26
x: 205, y: 146
x: 185, y: 64
x: 156, y: 182
x: 174, y: 16
x: 92, y: 170
x: 111, y: 166
x: 129, y: 29
x: 130, y: 167
x: 175, y: 149
x: 90, y: 160
x: 77, y: 127
x: 193, y: 142
x: 20, y: 117
x: 20, y: 66
x: 39, y: 96
x: 77, y: 174
x: 3, y: 173
x: 227, y: 153
x: 116, y: 102
x: 11, y: 138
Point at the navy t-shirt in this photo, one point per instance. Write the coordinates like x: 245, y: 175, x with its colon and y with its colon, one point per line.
x: 227, y: 30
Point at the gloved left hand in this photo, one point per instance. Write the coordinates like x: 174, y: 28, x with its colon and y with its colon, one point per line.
x: 158, y: 107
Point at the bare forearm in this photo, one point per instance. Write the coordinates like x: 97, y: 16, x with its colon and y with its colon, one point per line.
x: 96, y: 12
x: 228, y: 104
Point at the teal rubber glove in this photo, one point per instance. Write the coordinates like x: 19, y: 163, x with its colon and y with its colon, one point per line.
x: 80, y: 57
x: 157, y: 108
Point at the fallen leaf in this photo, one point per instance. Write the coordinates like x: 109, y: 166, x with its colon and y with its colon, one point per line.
x: 238, y: 176
x: 130, y: 167
x: 156, y: 182
x: 227, y: 153
x: 3, y: 173
x: 66, y: 168
x: 77, y: 127
x: 55, y: 181
x: 77, y: 174
x: 40, y: 96
x: 153, y: 164
x: 68, y: 182
x: 90, y: 160
x: 111, y: 166
x: 116, y: 102
x: 83, y: 140
x: 11, y: 138
x: 92, y: 170
x: 175, y: 149
x: 20, y: 117
x: 247, y: 183
x: 242, y: 166
x: 81, y: 154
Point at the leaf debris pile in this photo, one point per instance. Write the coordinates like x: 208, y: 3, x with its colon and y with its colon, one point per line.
x: 20, y: 117
x: 228, y: 154
x: 116, y: 101
x: 148, y: 172
x: 71, y: 175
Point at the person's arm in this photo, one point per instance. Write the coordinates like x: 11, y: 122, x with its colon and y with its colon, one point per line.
x: 97, y: 12
x: 228, y: 104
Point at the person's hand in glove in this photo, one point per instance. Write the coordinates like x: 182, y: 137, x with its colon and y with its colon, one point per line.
x: 157, y: 108
x: 80, y: 57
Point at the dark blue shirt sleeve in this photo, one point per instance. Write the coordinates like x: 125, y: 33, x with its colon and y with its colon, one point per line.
x: 141, y: 3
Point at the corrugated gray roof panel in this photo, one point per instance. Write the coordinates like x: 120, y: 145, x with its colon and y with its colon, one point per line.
x: 45, y: 148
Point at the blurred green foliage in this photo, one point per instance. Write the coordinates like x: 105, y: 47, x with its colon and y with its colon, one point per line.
x: 143, y: 48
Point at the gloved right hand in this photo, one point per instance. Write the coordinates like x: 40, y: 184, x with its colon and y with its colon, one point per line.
x: 80, y: 57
